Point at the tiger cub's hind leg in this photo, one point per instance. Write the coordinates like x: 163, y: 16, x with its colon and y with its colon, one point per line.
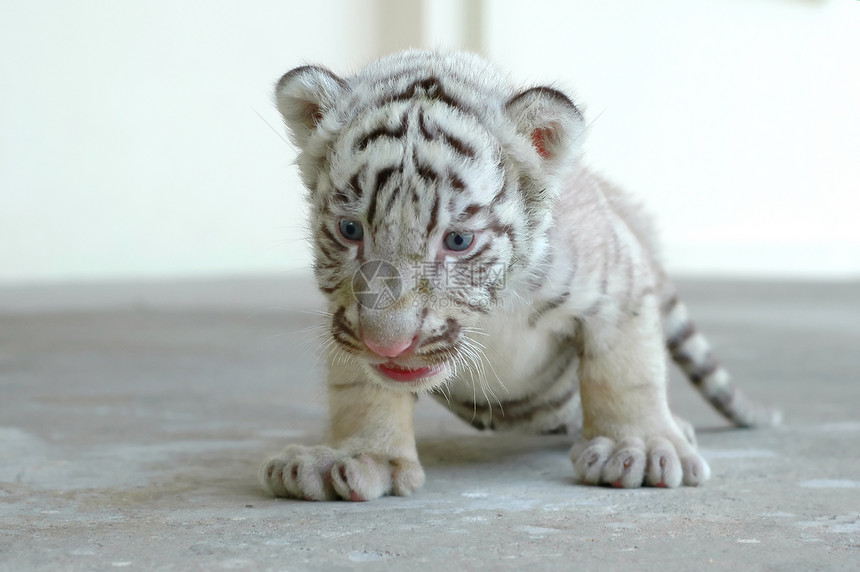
x: 629, y: 436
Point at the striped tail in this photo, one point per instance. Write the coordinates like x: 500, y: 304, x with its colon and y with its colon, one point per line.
x: 693, y: 354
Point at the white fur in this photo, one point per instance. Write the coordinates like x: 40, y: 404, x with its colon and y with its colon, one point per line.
x: 583, y: 279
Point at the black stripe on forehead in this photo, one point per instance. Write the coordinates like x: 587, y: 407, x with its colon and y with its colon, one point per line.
x: 396, y: 132
x: 458, y: 145
x: 456, y: 182
x: 424, y: 170
x: 382, y: 177
x: 433, y: 177
x: 434, y: 215
x: 501, y: 229
x: 434, y: 132
x: 392, y: 196
x: 469, y: 212
x: 431, y: 88
x: 350, y: 193
x: 422, y: 126
x: 355, y: 185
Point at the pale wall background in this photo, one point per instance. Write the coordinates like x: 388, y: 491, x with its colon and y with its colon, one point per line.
x: 137, y: 139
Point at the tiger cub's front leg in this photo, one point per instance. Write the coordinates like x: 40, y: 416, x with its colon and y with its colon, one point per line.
x: 370, y: 450
x: 629, y: 436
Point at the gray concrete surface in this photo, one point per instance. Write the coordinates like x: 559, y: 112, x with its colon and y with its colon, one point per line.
x: 133, y: 418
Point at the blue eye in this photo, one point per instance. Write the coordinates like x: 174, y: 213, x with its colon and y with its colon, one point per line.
x: 458, y: 241
x: 351, y: 230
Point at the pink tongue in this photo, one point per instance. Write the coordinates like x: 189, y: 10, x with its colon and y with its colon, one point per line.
x: 397, y: 368
x: 397, y: 373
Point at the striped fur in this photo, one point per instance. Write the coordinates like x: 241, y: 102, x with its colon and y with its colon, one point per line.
x: 694, y: 355
x: 560, y: 298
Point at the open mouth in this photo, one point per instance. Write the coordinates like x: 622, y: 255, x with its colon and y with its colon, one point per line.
x: 397, y: 373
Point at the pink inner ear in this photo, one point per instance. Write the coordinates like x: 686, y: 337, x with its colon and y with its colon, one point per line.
x: 540, y: 139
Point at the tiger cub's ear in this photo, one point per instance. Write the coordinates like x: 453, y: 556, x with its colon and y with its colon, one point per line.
x: 553, y: 124
x: 303, y: 96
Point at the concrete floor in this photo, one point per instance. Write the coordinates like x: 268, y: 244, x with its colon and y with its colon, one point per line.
x: 133, y: 418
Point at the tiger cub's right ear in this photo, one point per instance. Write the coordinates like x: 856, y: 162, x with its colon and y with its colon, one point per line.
x: 303, y: 96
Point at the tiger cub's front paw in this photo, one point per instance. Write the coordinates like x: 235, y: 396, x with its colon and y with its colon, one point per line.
x: 657, y: 461
x: 322, y: 473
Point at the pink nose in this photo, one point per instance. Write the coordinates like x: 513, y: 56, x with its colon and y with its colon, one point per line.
x: 391, y: 350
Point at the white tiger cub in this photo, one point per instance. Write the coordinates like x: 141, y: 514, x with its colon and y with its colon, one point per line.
x: 466, y: 253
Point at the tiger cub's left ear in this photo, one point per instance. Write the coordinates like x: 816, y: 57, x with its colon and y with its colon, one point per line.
x: 553, y: 124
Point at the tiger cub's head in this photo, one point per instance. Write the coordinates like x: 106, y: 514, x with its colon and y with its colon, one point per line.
x: 431, y: 184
